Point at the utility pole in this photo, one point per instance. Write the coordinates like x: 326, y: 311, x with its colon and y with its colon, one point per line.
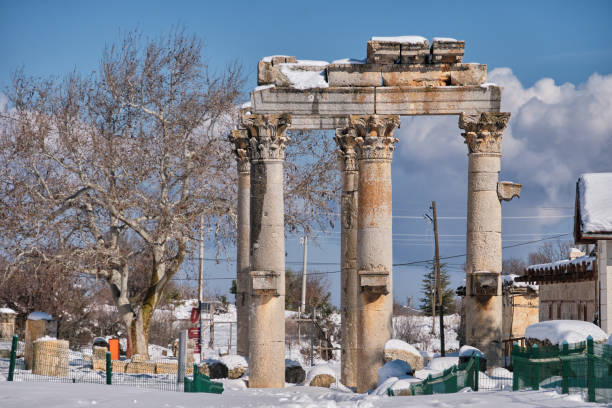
x: 439, y: 281
x: 304, y: 241
x: 201, y: 287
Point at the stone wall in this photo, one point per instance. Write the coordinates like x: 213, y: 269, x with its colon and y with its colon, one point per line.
x: 571, y: 301
x: 520, y: 309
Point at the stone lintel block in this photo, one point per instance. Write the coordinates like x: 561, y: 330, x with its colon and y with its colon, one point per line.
x: 265, y: 282
x: 507, y: 190
x: 484, y: 283
x: 374, y: 281
x: 434, y: 75
x: 332, y: 101
x: 354, y: 74
x: 468, y: 74
x: 383, y: 52
x: 447, y: 52
x: 314, y: 122
x: 414, y: 53
x: 448, y: 100
x: 266, y: 71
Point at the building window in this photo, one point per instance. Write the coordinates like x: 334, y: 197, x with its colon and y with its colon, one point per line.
x: 550, y: 311
x: 559, y: 311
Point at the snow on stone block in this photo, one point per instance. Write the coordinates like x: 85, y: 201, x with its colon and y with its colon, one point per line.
x: 395, y: 368
x: 39, y: 316
x: 322, y: 375
x: 309, y: 75
x: 396, y: 349
x: 407, y: 39
x: 469, y: 351
x: 349, y: 61
x: 442, y: 363
x: 7, y: 310
x: 236, y: 366
x: 555, y: 332
x: 595, y: 196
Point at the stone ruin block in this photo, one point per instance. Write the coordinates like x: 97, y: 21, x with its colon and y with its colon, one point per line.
x: 414, y: 53
x: 265, y: 282
x: 507, y: 190
x: 374, y: 281
x: 447, y: 51
x: 484, y: 283
x: 415, y: 75
x: 354, y: 75
x: 383, y: 52
x: 7, y: 323
x: 266, y: 73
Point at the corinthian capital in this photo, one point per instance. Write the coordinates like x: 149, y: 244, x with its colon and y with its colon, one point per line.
x: 483, y: 131
x: 347, y: 148
x: 240, y: 139
x: 267, y: 136
x: 375, y: 135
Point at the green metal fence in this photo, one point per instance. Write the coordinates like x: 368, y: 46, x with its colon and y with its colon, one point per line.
x: 451, y: 380
x: 584, y: 368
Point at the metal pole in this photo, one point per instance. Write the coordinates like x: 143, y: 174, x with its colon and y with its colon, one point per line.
x: 211, y: 343
x: 182, y: 357
x: 440, y: 294
x: 201, y: 288
x: 304, y: 271
x: 314, y: 311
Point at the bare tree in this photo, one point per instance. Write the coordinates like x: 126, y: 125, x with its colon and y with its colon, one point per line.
x: 134, y: 152
x: 550, y: 252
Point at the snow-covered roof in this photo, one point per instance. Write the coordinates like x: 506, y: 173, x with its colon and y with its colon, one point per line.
x: 510, y: 280
x: 594, y: 205
x: 558, y: 331
x: 564, y: 263
x: 39, y: 316
x: 7, y: 310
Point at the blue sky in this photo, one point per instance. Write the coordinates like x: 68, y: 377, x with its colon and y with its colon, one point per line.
x: 554, y: 59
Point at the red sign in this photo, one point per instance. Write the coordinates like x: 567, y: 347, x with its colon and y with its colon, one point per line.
x: 193, y: 333
x: 195, y: 315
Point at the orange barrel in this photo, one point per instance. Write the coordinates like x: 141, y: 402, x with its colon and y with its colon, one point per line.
x: 113, y: 347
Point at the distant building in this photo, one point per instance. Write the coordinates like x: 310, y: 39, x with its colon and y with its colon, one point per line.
x: 520, y: 306
x: 580, y: 288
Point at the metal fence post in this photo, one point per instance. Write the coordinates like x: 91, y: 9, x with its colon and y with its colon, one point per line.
x: 515, y: 368
x: 109, y: 369
x: 11, y: 372
x: 535, y: 380
x: 182, y: 357
x: 564, y: 369
x: 476, y: 372
x: 590, y: 369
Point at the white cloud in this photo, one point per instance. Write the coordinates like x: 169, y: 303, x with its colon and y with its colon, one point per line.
x: 556, y: 132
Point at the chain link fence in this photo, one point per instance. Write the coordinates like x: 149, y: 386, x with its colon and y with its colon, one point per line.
x: 53, y: 361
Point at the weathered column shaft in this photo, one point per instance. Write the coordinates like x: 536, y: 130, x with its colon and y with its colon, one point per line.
x: 240, y: 140
x: 267, y: 317
x: 375, y: 243
x: 483, y: 301
x: 349, y: 299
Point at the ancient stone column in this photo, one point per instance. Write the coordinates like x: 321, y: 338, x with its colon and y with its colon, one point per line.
x: 267, y: 318
x: 349, y: 299
x: 374, y: 243
x: 483, y: 300
x: 240, y: 140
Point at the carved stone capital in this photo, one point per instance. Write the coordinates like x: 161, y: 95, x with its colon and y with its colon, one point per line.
x: 347, y: 148
x: 240, y: 139
x: 267, y: 136
x: 374, y: 135
x: 483, y: 131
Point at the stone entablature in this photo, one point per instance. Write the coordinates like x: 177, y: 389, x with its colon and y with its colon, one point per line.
x: 401, y: 76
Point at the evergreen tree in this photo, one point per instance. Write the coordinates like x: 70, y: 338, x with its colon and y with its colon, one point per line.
x: 429, y: 284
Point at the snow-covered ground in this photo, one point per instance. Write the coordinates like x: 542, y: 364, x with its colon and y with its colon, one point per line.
x: 53, y: 395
